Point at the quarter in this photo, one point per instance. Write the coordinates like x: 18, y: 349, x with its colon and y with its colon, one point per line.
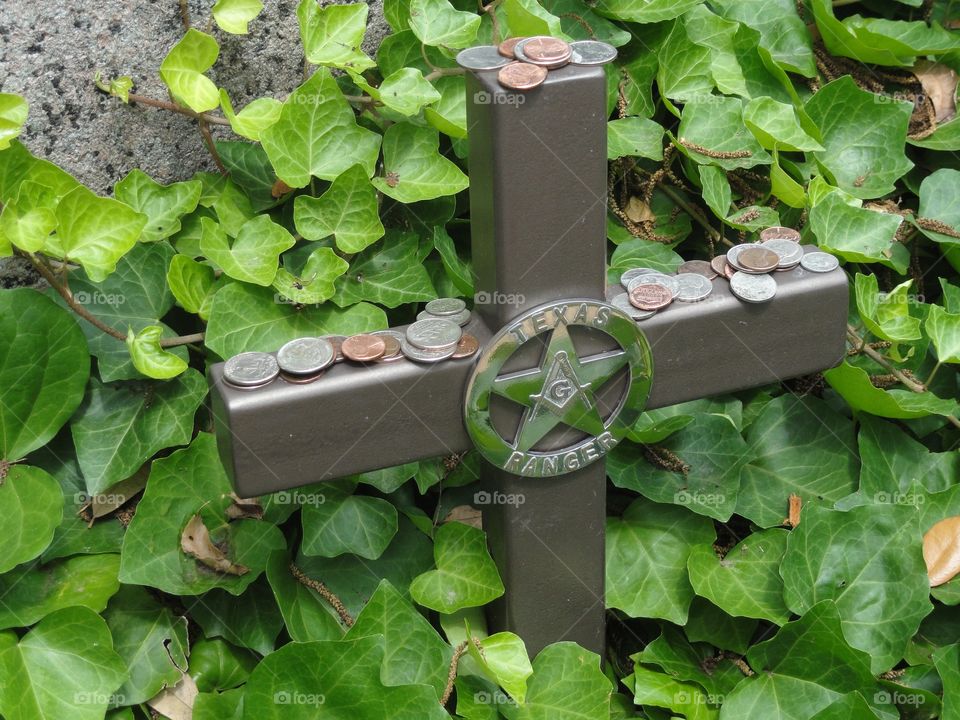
x: 820, y: 262
x: 363, y: 348
x: 790, y: 252
x: 435, y: 334
x: 250, y: 369
x: 650, y: 296
x: 306, y: 356
x: 753, y: 288
x: 522, y: 76
x: 778, y: 232
x: 426, y: 356
x: 693, y: 287
x: 592, y: 52
x: 445, y: 306
x: 482, y: 57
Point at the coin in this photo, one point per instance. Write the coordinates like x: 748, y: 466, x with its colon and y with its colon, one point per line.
x: 693, y: 287
x: 780, y: 233
x: 300, y: 379
x: 700, y: 267
x: 728, y: 271
x: 506, y: 47
x: 790, y: 252
x: 522, y: 76
x: 549, y: 52
x: 337, y: 342
x: 435, y: 334
x: 364, y: 348
x: 445, y: 306
x: 753, y: 288
x: 592, y: 52
x: 734, y: 252
x: 658, y: 278
x: 820, y: 262
x: 758, y: 260
x: 461, y: 318
x: 622, y: 302
x: 719, y: 264
x: 391, y: 339
x: 306, y: 356
x: 482, y: 57
x: 251, y: 369
x: 634, y: 273
x: 428, y: 356
x: 467, y: 346
x: 650, y: 296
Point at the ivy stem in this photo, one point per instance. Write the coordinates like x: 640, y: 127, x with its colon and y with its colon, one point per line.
x: 211, y: 145
x: 182, y: 340
x: 694, y: 213
x: 860, y: 344
x: 443, y: 72
x: 491, y: 10
x: 185, y: 14
x: 932, y: 373
x: 177, y: 108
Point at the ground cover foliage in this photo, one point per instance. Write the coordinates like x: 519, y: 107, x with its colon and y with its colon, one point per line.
x: 765, y: 551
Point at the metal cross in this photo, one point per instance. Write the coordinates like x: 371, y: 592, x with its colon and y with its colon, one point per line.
x: 538, y: 173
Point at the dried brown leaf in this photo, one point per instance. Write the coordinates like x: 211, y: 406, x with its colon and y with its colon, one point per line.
x: 941, y: 551
x: 176, y: 703
x: 638, y: 211
x: 196, y: 542
x: 466, y: 515
x: 940, y: 85
x: 243, y: 508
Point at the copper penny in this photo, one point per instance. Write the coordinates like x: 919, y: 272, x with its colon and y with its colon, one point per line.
x: 506, y: 47
x: 301, y: 379
x: 719, y: 264
x: 758, y: 260
x: 729, y: 271
x: 522, y: 76
x: 391, y: 348
x: 467, y: 346
x: 363, y: 348
x: 547, y: 51
x: 649, y: 296
x: 779, y: 233
x: 698, y: 267
x: 336, y: 341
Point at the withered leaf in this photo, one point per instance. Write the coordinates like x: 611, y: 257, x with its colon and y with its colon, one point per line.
x: 196, y: 541
x: 467, y: 515
x: 176, y: 703
x: 941, y: 551
x: 280, y: 188
x: 638, y: 211
x: 242, y: 508
x: 109, y: 501
x: 940, y: 85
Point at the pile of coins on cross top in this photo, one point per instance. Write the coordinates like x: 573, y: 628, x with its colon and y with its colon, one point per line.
x: 524, y: 62
x: 436, y: 335
x: 748, y: 267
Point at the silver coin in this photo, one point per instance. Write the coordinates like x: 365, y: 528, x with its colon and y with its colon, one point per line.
x: 518, y: 54
x: 693, y: 287
x: 790, y: 252
x: 592, y: 52
x: 306, y: 356
x: 657, y: 278
x: 622, y: 302
x: 251, y: 369
x: 461, y: 318
x: 445, y: 306
x: 436, y: 334
x: 633, y: 273
x: 820, y: 262
x: 482, y: 57
x: 734, y: 252
x: 427, y: 356
x: 753, y: 288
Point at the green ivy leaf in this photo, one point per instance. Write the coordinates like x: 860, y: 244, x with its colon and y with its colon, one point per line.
x: 634, y: 136
x: 250, y: 169
x: 306, y: 615
x: 640, y: 252
x: 406, y: 91
x: 684, y: 72
x: 248, y: 318
x: 782, y: 31
x: 647, y: 552
x: 458, y: 270
x: 43, y: 370
x: 644, y: 11
x: 315, y: 283
x: 854, y: 386
x: 348, y: 210
x: 317, y: 135
x: 528, y: 17
x: 708, y: 623
x: 465, y: 576
x: 150, y: 358
x: 673, y: 653
x: 218, y: 665
x: 857, y: 234
x: 190, y: 282
x: 504, y: 660
x: 437, y: 22
x: 656, y: 689
x: 163, y: 205
x: 332, y: 35
x: 937, y: 202
x: 67, y: 661
x: 32, y: 510
x: 119, y: 427
x: 414, y: 168
x: 347, y: 523
x: 716, y: 124
x: 13, y: 116
x: 27, y: 221
x: 868, y: 561
x: 776, y: 126
x: 191, y: 481
x: 944, y: 329
x: 254, y: 255
x: 449, y: 113
x: 254, y: 118
x: 390, y: 275
x: 717, y: 34
x: 234, y: 16
x: 217, y: 706
x: 118, y: 87
x: 251, y: 620
x: 886, y: 315
x: 183, y: 67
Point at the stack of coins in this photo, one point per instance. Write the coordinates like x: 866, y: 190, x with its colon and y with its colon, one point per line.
x: 524, y: 62
x: 648, y: 290
x: 453, y: 309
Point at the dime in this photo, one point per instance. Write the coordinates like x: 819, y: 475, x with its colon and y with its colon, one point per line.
x: 658, y: 278
x: 693, y: 287
x: 306, y: 356
x: 622, y: 302
x: 364, y: 348
x: 507, y: 46
x: 700, y: 267
x: 391, y: 339
x: 650, y: 296
x: 780, y: 233
x: 250, y: 369
x: 522, y: 76
x: 753, y: 288
x: 820, y: 262
x: 790, y: 252
x: 719, y: 264
x: 758, y: 260
x: 445, y: 306
x: 428, y: 356
x: 592, y: 52
x: 467, y: 346
x: 549, y: 52
x: 634, y: 273
x: 482, y: 57
x: 436, y: 334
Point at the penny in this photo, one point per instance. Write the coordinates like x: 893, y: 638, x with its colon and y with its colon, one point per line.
x: 622, y: 303
x: 549, y: 52
x: 427, y: 356
x: 758, y: 260
x: 634, y: 273
x: 592, y: 52
x: 391, y: 339
x: 445, y: 306
x: 482, y: 57
x: 522, y: 76
x: 734, y: 253
x: 719, y: 264
x: 699, y: 267
x: 507, y: 46
x: 657, y: 278
x: 300, y: 379
x: 467, y: 346
x: 251, y: 369
x: 820, y: 262
x: 363, y: 348
x: 306, y: 356
x: 789, y: 251
x: 693, y: 287
x: 650, y: 296
x: 753, y: 288
x: 729, y: 270
x: 337, y: 342
x: 434, y: 334
x: 780, y: 233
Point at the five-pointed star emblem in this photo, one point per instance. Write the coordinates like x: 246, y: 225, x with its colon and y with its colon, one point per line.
x: 560, y: 390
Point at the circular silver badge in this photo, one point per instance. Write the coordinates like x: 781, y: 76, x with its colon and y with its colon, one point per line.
x: 820, y: 262
x: 251, y: 369
x: 561, y: 391
x: 306, y: 356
